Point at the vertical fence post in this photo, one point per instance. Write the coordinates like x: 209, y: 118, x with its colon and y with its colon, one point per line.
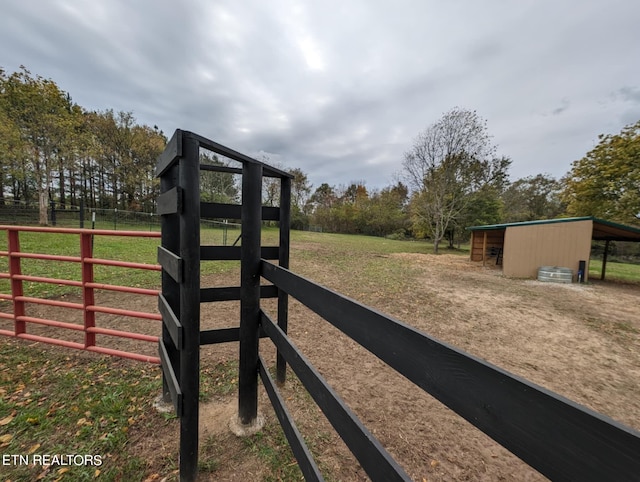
x: 251, y: 214
x: 115, y: 218
x: 170, y: 240
x: 225, y: 227
x: 16, y: 284
x: 81, y: 213
x: 283, y: 260
x: 88, y: 294
x: 189, y: 224
x: 53, y: 213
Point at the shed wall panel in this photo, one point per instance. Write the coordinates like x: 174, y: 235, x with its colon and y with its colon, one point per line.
x: 528, y: 247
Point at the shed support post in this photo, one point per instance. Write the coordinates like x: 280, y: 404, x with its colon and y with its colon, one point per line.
x: 484, y: 248
x: 604, y: 259
x: 251, y: 212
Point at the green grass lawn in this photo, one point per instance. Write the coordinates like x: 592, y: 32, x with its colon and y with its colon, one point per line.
x: 615, y: 271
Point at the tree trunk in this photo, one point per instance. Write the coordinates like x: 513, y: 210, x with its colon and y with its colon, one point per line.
x: 62, y: 181
x: 2, y: 189
x: 43, y: 206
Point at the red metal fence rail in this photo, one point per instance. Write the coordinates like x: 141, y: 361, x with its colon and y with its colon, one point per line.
x: 88, y: 285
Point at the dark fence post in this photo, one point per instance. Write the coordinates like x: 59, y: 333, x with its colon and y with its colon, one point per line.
x: 170, y: 240
x: 251, y: 214
x: 53, y: 213
x: 81, y: 213
x: 189, y: 179
x: 283, y: 260
x: 224, y: 232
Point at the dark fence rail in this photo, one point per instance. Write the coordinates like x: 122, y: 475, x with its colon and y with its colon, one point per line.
x: 557, y: 437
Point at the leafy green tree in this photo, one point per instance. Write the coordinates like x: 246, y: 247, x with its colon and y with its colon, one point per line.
x: 12, y: 152
x: 120, y: 159
x: 532, y: 198
x: 606, y: 182
x: 448, y: 162
x: 51, y: 149
x: 350, y: 211
x: 146, y: 145
x: 219, y: 187
x: 300, y: 194
x: 386, y: 213
x: 40, y: 110
x: 300, y: 189
x: 484, y: 207
x: 321, y: 202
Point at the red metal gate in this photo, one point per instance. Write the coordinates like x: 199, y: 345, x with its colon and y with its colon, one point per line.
x: 88, y: 286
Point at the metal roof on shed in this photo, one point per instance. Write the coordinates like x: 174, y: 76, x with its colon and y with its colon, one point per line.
x: 602, y: 230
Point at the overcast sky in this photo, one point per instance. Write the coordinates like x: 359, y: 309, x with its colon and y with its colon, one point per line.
x: 340, y: 89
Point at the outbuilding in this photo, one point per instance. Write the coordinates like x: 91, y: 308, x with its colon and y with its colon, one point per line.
x: 522, y: 248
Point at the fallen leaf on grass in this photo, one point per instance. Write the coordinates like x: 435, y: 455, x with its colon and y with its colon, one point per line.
x: 5, y: 439
x: 43, y: 474
x: 7, y: 420
x: 33, y: 448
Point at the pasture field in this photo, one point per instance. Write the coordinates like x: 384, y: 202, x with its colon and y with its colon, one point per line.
x: 581, y: 341
x: 615, y: 271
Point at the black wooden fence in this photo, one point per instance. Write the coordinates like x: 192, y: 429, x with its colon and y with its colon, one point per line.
x: 180, y: 255
x: 557, y: 437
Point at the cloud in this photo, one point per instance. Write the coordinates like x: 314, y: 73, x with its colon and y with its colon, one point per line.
x: 564, y: 105
x: 341, y: 89
x: 628, y: 94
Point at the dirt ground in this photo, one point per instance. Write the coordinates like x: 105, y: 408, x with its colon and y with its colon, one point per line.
x: 581, y: 341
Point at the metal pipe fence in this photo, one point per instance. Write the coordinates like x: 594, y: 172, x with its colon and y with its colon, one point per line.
x: 21, y: 304
x: 17, y: 213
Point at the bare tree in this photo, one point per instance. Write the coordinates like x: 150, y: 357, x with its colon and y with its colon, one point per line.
x: 448, y: 161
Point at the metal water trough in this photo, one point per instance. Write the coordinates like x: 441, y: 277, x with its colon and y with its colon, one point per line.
x: 555, y: 274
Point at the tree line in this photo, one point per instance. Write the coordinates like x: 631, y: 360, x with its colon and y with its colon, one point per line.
x: 451, y: 179
x: 52, y: 149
